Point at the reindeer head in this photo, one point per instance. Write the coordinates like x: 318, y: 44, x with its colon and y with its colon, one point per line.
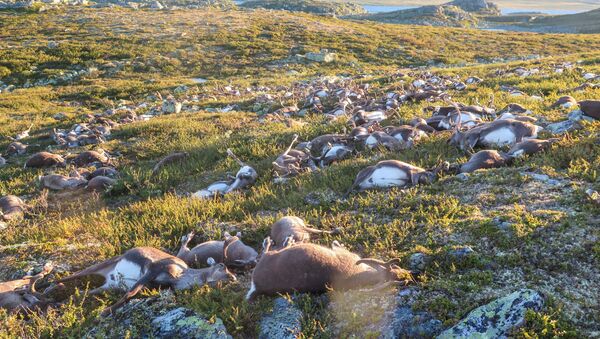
x: 391, y: 270
x: 218, y: 272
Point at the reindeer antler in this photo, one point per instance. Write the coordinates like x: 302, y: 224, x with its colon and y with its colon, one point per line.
x: 234, y: 157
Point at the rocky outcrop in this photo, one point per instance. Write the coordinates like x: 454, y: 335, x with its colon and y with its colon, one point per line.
x: 498, y: 318
x: 446, y: 16
x: 308, y: 6
x: 404, y: 322
x: 476, y: 6
x: 158, y: 317
x: 283, y: 322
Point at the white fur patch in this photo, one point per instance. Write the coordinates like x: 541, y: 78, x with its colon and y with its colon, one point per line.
x: 500, y: 137
x: 518, y: 153
x: 385, y: 177
x: 125, y: 273
x: 251, y: 291
x: 371, y: 141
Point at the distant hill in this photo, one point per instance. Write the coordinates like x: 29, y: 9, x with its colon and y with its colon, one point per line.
x: 457, y: 13
x: 443, y: 15
x: 586, y: 22
x: 308, y: 6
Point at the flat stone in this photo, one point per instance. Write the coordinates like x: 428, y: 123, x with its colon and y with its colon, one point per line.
x: 498, y: 318
x: 283, y: 322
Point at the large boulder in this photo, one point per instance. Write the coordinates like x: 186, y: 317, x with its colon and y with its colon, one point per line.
x: 283, y: 322
x: 498, y: 318
x: 477, y: 6
x: 157, y: 317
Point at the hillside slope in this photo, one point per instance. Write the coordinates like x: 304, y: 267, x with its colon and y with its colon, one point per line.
x: 474, y: 238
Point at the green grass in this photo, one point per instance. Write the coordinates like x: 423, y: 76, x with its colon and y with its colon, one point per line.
x: 549, y: 246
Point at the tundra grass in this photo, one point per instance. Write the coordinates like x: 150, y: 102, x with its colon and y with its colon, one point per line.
x: 550, y: 244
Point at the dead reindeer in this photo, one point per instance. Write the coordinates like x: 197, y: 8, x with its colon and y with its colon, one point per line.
x: 45, y: 159
x: 169, y: 159
x: 245, y: 177
x: 21, y: 295
x: 332, y: 153
x: 531, y: 146
x: 421, y: 124
x: 12, y: 208
x: 293, y: 162
x: 312, y: 268
x: 318, y: 144
x: 394, y: 173
x: 486, y: 159
x: 22, y: 135
x: 100, y: 183
x: 496, y: 133
x: 146, y: 266
x: 16, y: 148
x: 90, y: 158
x: 590, y: 108
x: 566, y: 101
x: 110, y: 172
x: 405, y: 133
x: 232, y: 252
x: 291, y: 226
x: 382, y: 139
x: 505, y: 116
x: 60, y: 182
x: 514, y: 109
x: 468, y: 120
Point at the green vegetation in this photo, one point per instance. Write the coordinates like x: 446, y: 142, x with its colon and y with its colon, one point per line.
x: 551, y: 244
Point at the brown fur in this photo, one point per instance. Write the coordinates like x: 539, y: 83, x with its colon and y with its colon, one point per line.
x: 473, y: 137
x: 296, y: 228
x: 563, y: 100
x: 100, y: 183
x: 485, y: 159
x: 16, y: 148
x: 89, y: 157
x: 45, y: 159
x: 158, y: 268
x: 313, y: 268
x: 232, y: 252
x: 20, y: 294
x: 60, y: 182
x: 12, y: 208
x: 591, y: 108
x: 531, y: 146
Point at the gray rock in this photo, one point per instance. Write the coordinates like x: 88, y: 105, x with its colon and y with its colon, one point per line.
x: 283, y: 323
x: 323, y: 56
x: 462, y: 252
x: 498, y: 318
x: 462, y: 176
x: 578, y: 115
x: 563, y: 127
x: 502, y: 225
x: 418, y: 262
x: 404, y: 322
x: 157, y: 317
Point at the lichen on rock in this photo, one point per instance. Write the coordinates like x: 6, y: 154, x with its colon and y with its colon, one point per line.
x: 498, y: 318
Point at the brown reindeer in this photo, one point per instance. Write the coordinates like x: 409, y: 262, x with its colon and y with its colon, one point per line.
x: 313, y: 268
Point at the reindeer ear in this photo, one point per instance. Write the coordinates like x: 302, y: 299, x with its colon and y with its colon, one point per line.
x: 239, y: 235
x: 211, y: 261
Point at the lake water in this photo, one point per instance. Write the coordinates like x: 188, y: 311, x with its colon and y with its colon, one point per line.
x: 505, y: 10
